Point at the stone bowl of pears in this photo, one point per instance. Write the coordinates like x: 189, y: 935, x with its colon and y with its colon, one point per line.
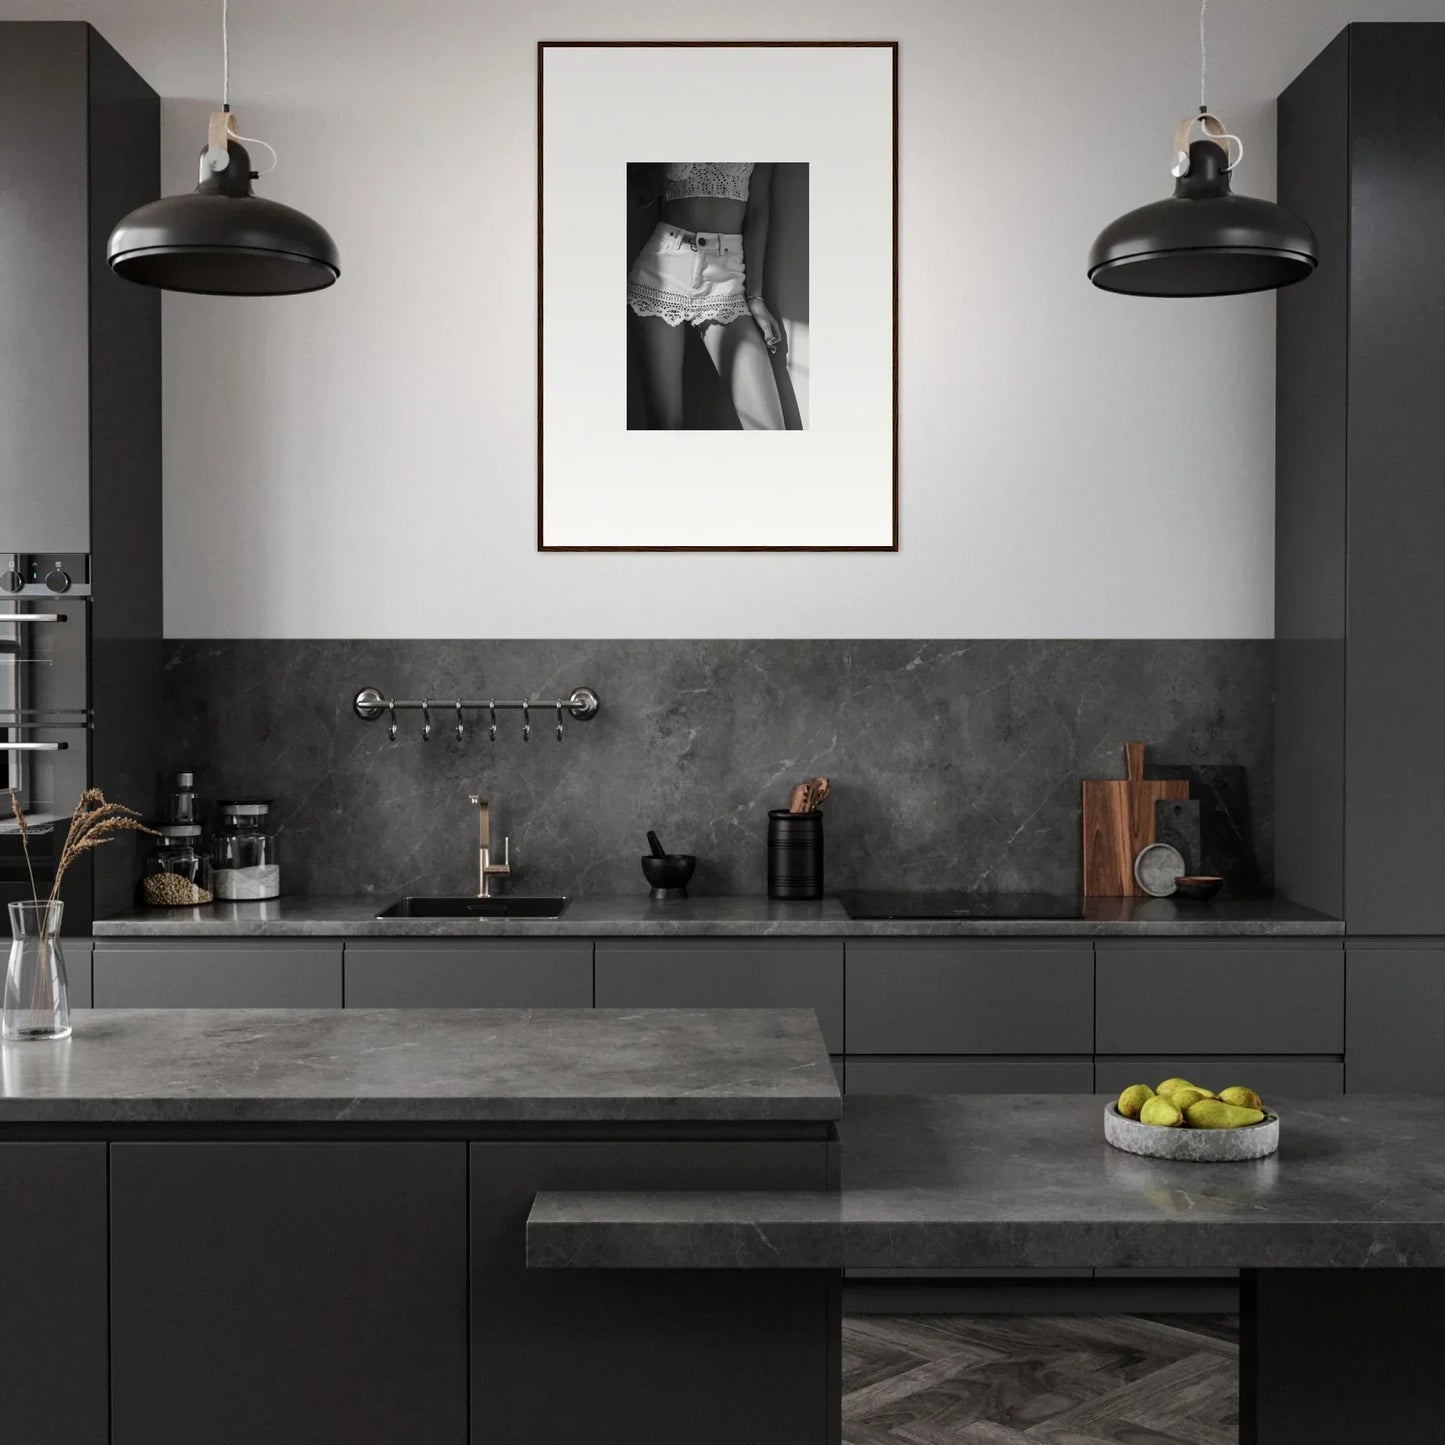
x: 1180, y: 1120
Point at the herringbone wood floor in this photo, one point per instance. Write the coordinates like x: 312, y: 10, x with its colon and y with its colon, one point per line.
x: 1040, y: 1380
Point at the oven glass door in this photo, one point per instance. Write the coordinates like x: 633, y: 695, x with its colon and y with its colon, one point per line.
x: 44, y: 719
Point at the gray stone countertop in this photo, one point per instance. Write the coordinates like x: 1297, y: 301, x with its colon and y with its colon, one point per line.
x: 637, y: 916
x: 423, y: 1066
x: 1027, y: 1181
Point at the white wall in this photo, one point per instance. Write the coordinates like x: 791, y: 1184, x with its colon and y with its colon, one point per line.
x: 322, y: 451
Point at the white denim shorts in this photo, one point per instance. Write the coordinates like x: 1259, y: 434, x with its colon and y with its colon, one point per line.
x: 694, y: 276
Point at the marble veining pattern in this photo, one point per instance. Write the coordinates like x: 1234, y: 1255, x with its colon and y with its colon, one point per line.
x: 1027, y: 1181
x: 954, y: 764
x: 420, y: 1066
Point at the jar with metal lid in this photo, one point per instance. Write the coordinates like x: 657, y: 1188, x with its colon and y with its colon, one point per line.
x: 180, y: 801
x: 245, y: 862
x: 177, y: 869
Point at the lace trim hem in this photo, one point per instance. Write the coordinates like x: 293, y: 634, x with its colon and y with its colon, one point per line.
x: 675, y: 309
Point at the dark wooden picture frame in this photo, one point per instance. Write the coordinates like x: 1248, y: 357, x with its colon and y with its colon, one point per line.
x: 542, y: 47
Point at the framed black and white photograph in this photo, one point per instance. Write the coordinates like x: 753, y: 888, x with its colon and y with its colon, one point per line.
x: 717, y: 339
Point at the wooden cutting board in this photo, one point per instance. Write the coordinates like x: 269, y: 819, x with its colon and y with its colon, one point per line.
x: 1119, y: 822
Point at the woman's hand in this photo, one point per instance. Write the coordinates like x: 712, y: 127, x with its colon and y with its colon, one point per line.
x: 767, y: 322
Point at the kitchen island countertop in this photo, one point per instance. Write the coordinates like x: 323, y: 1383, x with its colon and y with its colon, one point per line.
x: 1026, y: 1181
x: 423, y: 1067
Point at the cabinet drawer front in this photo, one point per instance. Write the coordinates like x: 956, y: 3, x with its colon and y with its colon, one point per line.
x: 571, y: 1357
x: 77, y: 953
x: 1395, y: 1034
x: 927, y: 997
x: 970, y: 1076
x: 524, y: 974
x: 201, y: 974
x: 289, y: 1293
x: 698, y: 973
x: 1271, y: 998
x: 54, y: 1304
x: 1297, y: 1077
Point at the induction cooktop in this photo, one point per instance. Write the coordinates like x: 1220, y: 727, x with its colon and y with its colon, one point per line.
x: 944, y: 905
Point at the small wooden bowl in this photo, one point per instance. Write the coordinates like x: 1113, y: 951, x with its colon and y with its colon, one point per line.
x: 1198, y: 886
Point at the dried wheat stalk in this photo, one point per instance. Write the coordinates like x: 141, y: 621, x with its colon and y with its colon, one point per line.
x: 93, y: 823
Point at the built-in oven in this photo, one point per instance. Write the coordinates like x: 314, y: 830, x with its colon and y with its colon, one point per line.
x: 45, y: 716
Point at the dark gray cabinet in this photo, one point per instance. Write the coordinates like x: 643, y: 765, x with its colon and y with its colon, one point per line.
x: 461, y: 973
x: 368, y: 1343
x: 956, y: 996
x: 558, y: 1356
x: 933, y: 1015
x: 724, y: 973
x: 1395, y: 1012
x: 79, y: 348
x: 207, y: 973
x: 970, y: 1076
x: 45, y: 315
x: 1360, y: 510
x: 1271, y: 1075
x: 77, y: 953
x: 53, y: 1304
x: 1283, y: 996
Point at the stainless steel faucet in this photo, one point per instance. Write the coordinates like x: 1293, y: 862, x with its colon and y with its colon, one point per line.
x: 486, y: 869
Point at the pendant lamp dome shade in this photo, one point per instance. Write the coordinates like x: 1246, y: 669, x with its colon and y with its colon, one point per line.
x: 1203, y: 240
x: 222, y: 239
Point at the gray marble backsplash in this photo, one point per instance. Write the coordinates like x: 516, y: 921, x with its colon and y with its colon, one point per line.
x: 954, y: 764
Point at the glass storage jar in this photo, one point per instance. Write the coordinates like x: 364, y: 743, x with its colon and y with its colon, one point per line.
x: 177, y: 869
x: 245, y: 864
x: 181, y: 799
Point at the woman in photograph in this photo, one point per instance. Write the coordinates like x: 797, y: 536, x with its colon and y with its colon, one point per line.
x: 703, y: 266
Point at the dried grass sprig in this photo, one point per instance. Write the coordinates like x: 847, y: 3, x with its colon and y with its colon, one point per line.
x: 25, y: 844
x: 94, y: 822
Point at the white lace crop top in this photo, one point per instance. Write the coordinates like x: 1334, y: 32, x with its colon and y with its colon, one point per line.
x: 726, y: 179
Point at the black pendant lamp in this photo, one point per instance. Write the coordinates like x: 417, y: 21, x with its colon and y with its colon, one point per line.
x: 222, y: 239
x: 1203, y: 240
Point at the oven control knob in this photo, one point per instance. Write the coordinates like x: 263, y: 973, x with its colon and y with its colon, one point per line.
x: 11, y: 581
x: 58, y: 581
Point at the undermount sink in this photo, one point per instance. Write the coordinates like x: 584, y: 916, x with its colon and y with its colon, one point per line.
x: 414, y: 907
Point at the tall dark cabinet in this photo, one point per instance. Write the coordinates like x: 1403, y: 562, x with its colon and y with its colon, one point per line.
x: 80, y: 446
x: 1360, y: 549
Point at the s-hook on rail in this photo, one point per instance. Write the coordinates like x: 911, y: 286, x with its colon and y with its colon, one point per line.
x: 369, y: 704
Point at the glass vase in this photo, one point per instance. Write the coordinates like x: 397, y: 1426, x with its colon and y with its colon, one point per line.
x: 37, y: 1001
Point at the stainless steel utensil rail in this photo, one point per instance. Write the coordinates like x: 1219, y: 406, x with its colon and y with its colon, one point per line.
x: 370, y: 703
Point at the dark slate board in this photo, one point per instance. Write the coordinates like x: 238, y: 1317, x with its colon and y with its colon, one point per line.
x: 1226, y: 831
x: 1176, y: 822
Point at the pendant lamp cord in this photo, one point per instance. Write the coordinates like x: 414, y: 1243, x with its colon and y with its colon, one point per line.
x: 226, y: 94
x: 1203, y: 56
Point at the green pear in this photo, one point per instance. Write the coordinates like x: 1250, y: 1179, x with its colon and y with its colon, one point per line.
x: 1160, y: 1111
x: 1245, y: 1098
x: 1133, y: 1099
x: 1216, y: 1114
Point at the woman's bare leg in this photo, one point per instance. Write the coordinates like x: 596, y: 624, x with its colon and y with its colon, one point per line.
x: 742, y: 360
x: 662, y: 372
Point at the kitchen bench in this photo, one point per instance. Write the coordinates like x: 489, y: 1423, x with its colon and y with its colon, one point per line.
x: 1340, y: 1236
x: 963, y: 1006
x: 302, y: 1225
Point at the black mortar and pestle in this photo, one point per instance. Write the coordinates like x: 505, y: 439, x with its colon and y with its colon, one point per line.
x: 667, y: 872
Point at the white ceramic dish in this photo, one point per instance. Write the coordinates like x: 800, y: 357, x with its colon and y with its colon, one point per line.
x: 1196, y: 1146
x: 1156, y: 868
